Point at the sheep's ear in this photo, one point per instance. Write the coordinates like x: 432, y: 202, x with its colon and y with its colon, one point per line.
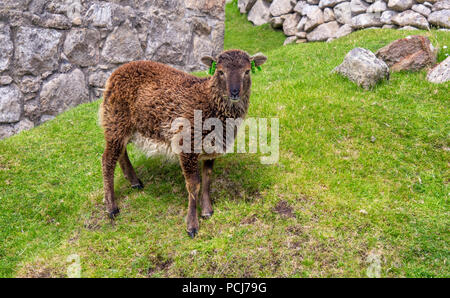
x: 259, y: 59
x: 208, y: 60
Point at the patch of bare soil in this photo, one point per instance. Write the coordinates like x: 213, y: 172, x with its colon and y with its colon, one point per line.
x: 158, y: 264
x: 284, y: 209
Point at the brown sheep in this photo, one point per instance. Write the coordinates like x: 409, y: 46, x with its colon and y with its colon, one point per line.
x: 143, y: 98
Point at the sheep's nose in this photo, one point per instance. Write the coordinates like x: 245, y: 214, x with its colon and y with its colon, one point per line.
x: 235, y: 92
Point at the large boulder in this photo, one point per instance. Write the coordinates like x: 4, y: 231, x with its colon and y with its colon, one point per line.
x: 81, y: 46
x: 411, y: 18
x: 10, y: 104
x: 245, y: 5
x: 378, y: 6
x: 36, y: 50
x: 63, y: 92
x: 410, y: 53
x: 386, y: 16
x: 440, y: 18
x: 328, y: 15
x: 6, y: 46
x: 343, y: 31
x: 290, y: 24
x: 366, y: 20
x: 363, y: 67
x: 358, y: 6
x: 314, y: 18
x: 400, y: 5
x: 329, y: 3
x: 122, y: 45
x: 281, y: 7
x: 323, y: 32
x: 260, y: 13
x: 440, y: 5
x: 422, y: 9
x: 343, y: 13
x: 440, y: 73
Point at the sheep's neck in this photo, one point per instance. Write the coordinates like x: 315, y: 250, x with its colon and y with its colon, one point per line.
x: 222, y: 107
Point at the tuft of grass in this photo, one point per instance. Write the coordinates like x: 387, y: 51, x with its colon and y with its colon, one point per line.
x: 362, y: 179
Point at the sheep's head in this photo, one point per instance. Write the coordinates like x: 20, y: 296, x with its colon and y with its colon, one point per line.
x: 232, y: 75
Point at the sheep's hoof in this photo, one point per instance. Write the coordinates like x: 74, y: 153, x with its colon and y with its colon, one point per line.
x: 114, y: 213
x: 192, y: 233
x: 207, y: 215
x: 140, y: 185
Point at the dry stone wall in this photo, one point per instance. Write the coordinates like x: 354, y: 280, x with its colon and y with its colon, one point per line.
x: 324, y: 20
x: 57, y: 54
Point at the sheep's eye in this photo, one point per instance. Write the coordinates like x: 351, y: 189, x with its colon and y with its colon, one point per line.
x: 221, y: 73
x: 247, y: 72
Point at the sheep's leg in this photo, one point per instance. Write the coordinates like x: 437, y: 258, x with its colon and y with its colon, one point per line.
x: 113, y: 151
x: 128, y: 171
x: 207, y: 210
x: 189, y: 164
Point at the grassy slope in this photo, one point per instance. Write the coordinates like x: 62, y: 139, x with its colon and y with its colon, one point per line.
x: 329, y: 170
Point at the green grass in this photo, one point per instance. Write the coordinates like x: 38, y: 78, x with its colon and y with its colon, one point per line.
x: 365, y: 174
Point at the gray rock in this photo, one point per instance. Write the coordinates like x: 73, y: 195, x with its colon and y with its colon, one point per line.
x: 440, y: 18
x: 363, y: 67
x: 408, y: 28
x: 388, y: 26
x: 82, y: 47
x: 277, y: 22
x: 344, y: 30
x: 290, y: 24
x: 281, y: 7
x: 5, y: 80
x: 122, y: 45
x: 25, y: 124
x: 99, y: 78
x: 358, y: 6
x: 441, y: 5
x: 411, y: 18
x: 301, y: 24
x: 15, y: 4
x: 366, y: 20
x: 386, y: 16
x: 328, y: 15
x: 10, y: 104
x: 169, y: 42
x: 73, y: 11
x: 45, y: 118
x: 36, y: 50
x: 400, y: 5
x: 50, y: 20
x: 440, y: 73
x: 343, y: 13
x: 329, y: 3
x: 378, y: 6
x: 6, y: 46
x: 30, y: 84
x: 100, y: 15
x: 260, y: 13
x: 422, y: 9
x: 63, y: 92
x: 290, y: 39
x: 301, y: 35
x: 323, y: 32
x: 6, y: 131
x: 299, y: 7
x: 245, y: 5
x: 313, y: 2
x: 314, y: 19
